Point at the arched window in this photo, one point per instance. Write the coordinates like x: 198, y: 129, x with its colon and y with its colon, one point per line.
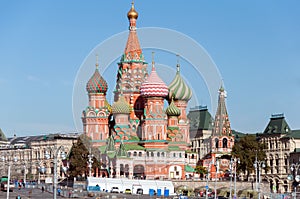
x: 129, y: 154
x: 217, y: 143
x: 140, y: 154
x: 163, y: 154
x: 224, y: 142
x: 158, y: 154
x: 152, y: 154
x: 134, y: 153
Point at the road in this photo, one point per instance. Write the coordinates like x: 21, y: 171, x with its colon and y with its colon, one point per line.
x: 35, y: 193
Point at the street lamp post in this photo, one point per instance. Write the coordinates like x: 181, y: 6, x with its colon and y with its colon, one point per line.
x: 216, y: 176
x: 207, y: 180
x: 236, y: 161
x: 55, y: 151
x: 24, y: 180
x: 230, y: 175
x: 258, y: 165
x: 295, y: 167
x: 90, y: 162
x: 8, y: 172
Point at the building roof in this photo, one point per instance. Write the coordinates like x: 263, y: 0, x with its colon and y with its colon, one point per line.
x: 96, y: 83
x: 277, y: 125
x: 188, y: 168
x: 122, y: 151
x: 2, y: 136
x: 133, y: 51
x: 221, y: 123
x: 121, y: 106
x: 200, y: 118
x: 178, y: 89
x: 153, y: 85
x: 293, y: 134
x: 172, y: 109
x: 25, y: 141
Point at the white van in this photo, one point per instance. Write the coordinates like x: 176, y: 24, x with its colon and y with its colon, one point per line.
x: 137, y: 189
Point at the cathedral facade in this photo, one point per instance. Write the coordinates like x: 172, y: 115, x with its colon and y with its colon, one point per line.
x: 137, y: 136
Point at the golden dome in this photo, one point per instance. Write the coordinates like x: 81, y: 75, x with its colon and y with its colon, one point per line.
x: 132, y: 13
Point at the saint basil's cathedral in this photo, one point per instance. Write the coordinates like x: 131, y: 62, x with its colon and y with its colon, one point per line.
x: 137, y: 136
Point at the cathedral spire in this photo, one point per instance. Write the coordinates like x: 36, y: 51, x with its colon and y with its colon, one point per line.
x: 133, y: 51
x: 222, y: 123
x: 97, y: 61
x: 178, y: 65
x: 153, y: 63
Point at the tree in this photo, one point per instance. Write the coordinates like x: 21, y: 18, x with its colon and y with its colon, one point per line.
x: 247, y: 149
x: 78, y: 157
x: 200, y: 170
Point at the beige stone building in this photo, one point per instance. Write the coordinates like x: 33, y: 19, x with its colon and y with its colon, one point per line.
x: 26, y: 156
x: 201, y: 123
x: 282, y: 146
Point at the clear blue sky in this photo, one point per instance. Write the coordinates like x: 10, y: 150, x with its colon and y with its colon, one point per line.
x: 255, y: 45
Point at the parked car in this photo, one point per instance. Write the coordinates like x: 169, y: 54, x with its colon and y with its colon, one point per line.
x: 115, y: 190
x: 139, y: 191
x: 127, y: 191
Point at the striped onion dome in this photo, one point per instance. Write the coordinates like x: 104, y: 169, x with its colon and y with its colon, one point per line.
x: 121, y: 106
x: 173, y: 110
x: 96, y: 83
x: 154, y: 86
x: 178, y: 89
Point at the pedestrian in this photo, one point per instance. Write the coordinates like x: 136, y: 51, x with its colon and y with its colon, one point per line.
x: 43, y: 189
x: 70, y: 193
x: 29, y: 193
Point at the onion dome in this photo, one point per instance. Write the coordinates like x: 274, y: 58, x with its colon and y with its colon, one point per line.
x: 173, y: 110
x: 178, y: 89
x: 153, y: 85
x: 132, y: 13
x: 121, y: 106
x: 96, y: 83
x: 107, y: 105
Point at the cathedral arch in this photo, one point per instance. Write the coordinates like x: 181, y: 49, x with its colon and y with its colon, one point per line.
x: 225, y: 143
x: 216, y: 142
x: 101, y: 114
x: 91, y: 114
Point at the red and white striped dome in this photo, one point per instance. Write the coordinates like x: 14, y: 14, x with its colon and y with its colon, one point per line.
x: 154, y: 86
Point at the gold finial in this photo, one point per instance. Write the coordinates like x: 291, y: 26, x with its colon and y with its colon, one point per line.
x: 178, y: 65
x: 153, y: 61
x: 132, y: 13
x: 97, y: 63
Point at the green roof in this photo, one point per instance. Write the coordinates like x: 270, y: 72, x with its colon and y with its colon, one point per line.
x: 102, y: 149
x: 110, y: 144
x: 133, y: 147
x: 111, y: 154
x: 188, y: 168
x: 174, y: 148
x: 122, y: 151
x: 294, y: 134
x: 277, y: 125
x: 200, y: 118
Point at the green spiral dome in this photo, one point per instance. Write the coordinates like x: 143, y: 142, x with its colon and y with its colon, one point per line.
x: 173, y: 110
